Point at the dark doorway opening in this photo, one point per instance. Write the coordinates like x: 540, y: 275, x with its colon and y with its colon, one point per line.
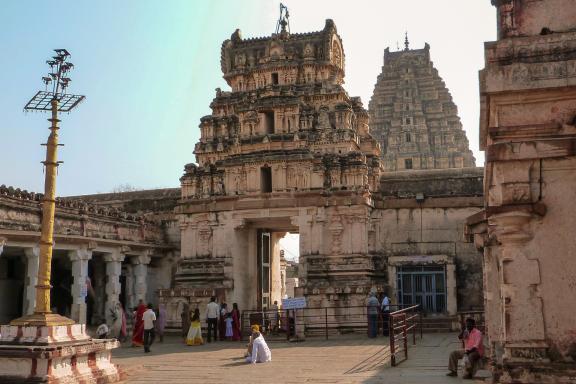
x: 269, y: 120
x: 61, y: 281
x: 265, y: 179
x: 12, y: 277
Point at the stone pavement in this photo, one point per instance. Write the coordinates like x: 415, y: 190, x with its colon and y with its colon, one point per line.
x: 344, y: 359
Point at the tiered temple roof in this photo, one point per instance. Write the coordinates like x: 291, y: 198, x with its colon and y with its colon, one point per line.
x: 413, y: 116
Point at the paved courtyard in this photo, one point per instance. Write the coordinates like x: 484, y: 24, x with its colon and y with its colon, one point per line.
x: 350, y: 359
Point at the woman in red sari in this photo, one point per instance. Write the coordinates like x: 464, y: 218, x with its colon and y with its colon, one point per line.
x: 138, y: 332
x: 236, y: 326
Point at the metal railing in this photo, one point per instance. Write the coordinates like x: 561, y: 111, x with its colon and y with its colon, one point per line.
x: 316, y: 321
x: 401, y: 322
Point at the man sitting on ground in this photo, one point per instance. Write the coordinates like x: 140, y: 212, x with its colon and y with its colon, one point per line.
x: 254, y: 328
x: 260, y: 351
x: 473, y: 350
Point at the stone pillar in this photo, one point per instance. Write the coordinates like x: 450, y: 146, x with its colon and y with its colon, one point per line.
x: 113, y: 271
x: 2, y: 244
x: 451, y: 297
x: 140, y: 264
x: 522, y: 314
x: 79, y: 259
x: 129, y: 293
x: 32, y: 259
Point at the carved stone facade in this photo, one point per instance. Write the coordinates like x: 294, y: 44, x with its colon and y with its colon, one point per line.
x: 288, y: 151
x: 104, y: 254
x: 528, y: 130
x: 413, y: 116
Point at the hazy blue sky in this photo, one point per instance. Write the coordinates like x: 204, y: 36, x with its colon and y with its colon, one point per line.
x: 149, y: 70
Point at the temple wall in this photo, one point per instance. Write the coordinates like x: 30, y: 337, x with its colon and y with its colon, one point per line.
x: 528, y: 130
x: 431, y: 235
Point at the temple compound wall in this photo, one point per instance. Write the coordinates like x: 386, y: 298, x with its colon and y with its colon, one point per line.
x: 102, y: 256
x: 418, y: 224
x: 528, y: 131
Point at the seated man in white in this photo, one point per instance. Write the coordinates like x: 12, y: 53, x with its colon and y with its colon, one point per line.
x: 260, y: 351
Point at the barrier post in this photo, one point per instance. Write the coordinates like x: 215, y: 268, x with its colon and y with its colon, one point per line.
x: 392, y: 337
x: 405, y: 338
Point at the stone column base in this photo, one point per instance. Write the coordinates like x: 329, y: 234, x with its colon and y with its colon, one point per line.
x: 536, y: 373
x: 55, y: 354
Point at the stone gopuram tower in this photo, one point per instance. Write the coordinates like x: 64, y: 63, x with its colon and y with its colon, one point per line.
x: 413, y: 116
x: 286, y: 150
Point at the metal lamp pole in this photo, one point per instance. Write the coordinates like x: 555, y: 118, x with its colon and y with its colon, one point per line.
x: 54, y: 101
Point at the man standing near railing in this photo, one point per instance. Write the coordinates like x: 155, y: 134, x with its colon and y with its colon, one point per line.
x: 385, y: 314
x: 473, y: 350
x: 373, y: 306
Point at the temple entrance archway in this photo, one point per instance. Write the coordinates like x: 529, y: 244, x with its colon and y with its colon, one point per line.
x: 271, y: 267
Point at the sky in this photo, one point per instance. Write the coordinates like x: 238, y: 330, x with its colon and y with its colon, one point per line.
x: 149, y: 69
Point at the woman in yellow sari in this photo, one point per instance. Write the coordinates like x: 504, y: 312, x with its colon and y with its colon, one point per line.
x: 195, y: 332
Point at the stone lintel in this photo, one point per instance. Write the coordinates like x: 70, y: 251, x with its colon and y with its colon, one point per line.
x: 296, y: 200
x: 537, y: 208
x: 532, y: 149
x: 430, y: 202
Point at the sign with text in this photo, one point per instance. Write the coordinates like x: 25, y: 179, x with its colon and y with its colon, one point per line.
x: 294, y: 303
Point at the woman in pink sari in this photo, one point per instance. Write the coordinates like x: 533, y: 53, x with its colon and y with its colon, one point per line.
x: 138, y: 332
x: 236, y: 326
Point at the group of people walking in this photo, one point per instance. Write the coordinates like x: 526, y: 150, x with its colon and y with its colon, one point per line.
x: 221, y: 323
x: 148, y: 324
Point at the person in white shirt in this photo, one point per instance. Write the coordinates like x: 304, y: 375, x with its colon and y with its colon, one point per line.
x: 149, y: 317
x: 385, y: 314
x: 260, y: 351
x: 212, y: 311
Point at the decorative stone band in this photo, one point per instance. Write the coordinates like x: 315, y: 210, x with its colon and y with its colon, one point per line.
x: 78, y: 362
x: 190, y: 292
x: 42, y: 335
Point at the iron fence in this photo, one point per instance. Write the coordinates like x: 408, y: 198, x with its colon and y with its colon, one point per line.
x: 402, y: 321
x: 316, y: 321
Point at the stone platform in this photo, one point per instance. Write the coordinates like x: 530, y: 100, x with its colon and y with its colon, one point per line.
x: 55, y: 354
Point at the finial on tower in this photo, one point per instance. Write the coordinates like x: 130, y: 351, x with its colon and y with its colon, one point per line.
x: 406, y: 42
x: 283, y: 21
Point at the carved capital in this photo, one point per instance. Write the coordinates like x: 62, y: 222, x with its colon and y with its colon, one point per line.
x: 32, y: 252
x: 511, y: 227
x: 144, y: 258
x: 114, y: 257
x: 80, y: 254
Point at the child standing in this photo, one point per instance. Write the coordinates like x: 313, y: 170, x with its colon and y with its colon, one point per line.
x: 229, y: 331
